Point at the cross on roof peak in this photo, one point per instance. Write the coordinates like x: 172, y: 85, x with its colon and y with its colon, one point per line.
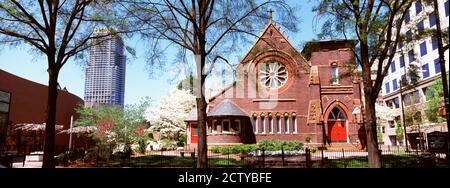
x: 270, y: 14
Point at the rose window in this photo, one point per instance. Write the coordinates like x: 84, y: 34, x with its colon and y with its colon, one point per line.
x: 273, y: 75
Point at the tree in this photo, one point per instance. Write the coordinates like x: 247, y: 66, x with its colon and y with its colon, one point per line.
x: 399, y: 132
x: 376, y: 25
x: 59, y: 30
x: 435, y: 96
x: 187, y: 84
x: 168, y: 118
x: 116, y: 127
x: 207, y: 29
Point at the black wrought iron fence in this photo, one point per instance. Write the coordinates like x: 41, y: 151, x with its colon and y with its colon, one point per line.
x: 392, y: 157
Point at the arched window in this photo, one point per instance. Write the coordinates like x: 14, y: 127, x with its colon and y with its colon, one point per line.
x: 334, y: 74
x: 337, y: 114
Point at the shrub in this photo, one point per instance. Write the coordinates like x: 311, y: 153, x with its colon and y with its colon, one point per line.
x: 267, y: 145
x: 61, y: 159
x: 181, y: 140
x: 215, y: 149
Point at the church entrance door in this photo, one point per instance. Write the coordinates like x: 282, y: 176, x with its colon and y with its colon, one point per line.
x: 337, y: 125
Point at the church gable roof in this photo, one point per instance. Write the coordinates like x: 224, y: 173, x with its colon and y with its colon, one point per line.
x: 272, y: 39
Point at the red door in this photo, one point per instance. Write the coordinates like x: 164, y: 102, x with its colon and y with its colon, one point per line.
x: 337, y: 131
x: 194, y: 133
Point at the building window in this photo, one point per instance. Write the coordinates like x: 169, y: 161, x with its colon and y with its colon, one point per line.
x: 391, y: 123
x: 432, y: 19
x: 437, y: 66
x: 254, y: 124
x: 402, y: 61
x: 294, y: 124
x: 334, y: 74
x: 195, y: 131
x: 407, y: 17
x: 425, y: 71
x: 278, y: 122
x: 423, y: 48
x: 214, y: 126
x: 407, y: 99
x: 421, y: 26
x: 5, y: 100
x: 237, y: 126
x: 225, y: 125
x: 418, y: 6
x: 396, y: 102
x: 434, y: 43
x: 393, y: 66
x: 270, y: 124
x: 394, y: 85
x: 416, y: 97
x: 427, y: 92
x: 389, y: 103
x: 409, y: 36
x: 286, y: 124
x: 388, y: 90
x: 273, y: 74
x: 446, y: 8
x: 411, y: 56
x: 263, y: 124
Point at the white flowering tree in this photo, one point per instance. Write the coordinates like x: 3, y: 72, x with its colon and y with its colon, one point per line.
x: 384, y: 113
x: 168, y: 118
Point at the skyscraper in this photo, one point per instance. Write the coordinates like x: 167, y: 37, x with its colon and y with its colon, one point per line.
x: 105, y: 71
x: 424, y: 55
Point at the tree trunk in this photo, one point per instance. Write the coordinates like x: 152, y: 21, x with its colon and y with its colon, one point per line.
x: 202, y: 147
x: 202, y: 161
x: 49, y: 142
x: 374, y: 156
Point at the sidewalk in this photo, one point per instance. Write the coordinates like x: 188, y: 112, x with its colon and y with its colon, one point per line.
x: 28, y: 164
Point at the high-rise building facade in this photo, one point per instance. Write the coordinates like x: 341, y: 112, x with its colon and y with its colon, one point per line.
x: 105, y: 71
x: 424, y: 55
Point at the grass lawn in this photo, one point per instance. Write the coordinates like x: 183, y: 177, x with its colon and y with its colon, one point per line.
x: 169, y: 161
x: 398, y: 160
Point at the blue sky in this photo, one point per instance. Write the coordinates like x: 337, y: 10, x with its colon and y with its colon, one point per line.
x: 24, y: 62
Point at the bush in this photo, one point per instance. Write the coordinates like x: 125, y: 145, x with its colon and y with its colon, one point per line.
x: 215, y: 149
x: 267, y: 145
x: 181, y: 140
x: 61, y: 159
x: 168, y: 144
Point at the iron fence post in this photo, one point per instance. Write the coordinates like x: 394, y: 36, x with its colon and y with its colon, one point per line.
x: 228, y: 157
x: 282, y: 156
x: 263, y: 158
x: 343, y: 157
x: 322, y: 157
x: 161, y: 158
x: 381, y: 156
x: 308, y: 157
x: 417, y: 150
x: 193, y: 159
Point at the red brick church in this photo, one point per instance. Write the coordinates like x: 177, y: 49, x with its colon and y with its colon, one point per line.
x: 282, y: 94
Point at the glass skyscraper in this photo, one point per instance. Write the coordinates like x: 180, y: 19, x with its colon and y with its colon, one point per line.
x: 105, y: 71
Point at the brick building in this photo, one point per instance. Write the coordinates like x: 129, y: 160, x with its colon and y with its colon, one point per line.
x: 282, y: 94
x: 25, y: 102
